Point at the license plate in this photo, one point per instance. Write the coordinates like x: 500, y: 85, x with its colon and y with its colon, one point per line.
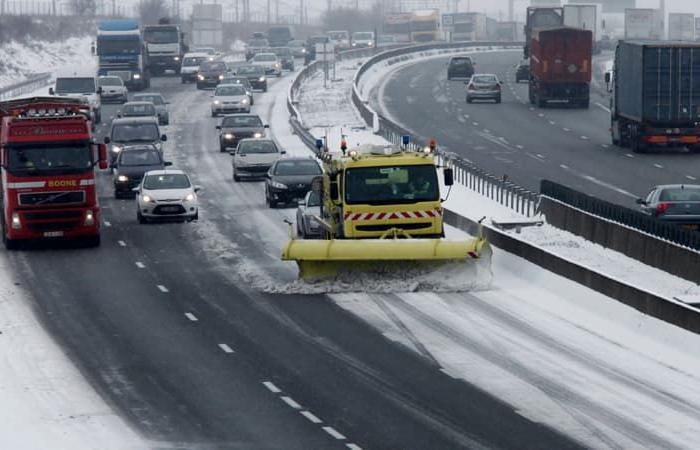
x: 170, y: 209
x: 53, y: 233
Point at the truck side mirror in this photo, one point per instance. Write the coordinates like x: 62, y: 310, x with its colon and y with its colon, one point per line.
x: 102, y: 156
x: 107, y: 140
x: 448, y: 174
x: 335, y: 193
x: 51, y: 91
x: 164, y: 138
x: 607, y: 77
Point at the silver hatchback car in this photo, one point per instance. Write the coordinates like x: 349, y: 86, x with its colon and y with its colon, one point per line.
x: 483, y: 86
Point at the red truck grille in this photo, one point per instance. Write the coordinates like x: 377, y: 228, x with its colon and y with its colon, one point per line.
x: 52, y: 198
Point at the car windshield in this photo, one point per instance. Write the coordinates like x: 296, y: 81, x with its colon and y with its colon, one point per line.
x: 248, y: 147
x: 107, y: 45
x: 258, y: 43
x: 143, y: 109
x: 110, y: 81
x: 229, y: 90
x: 318, y: 39
x: 140, y: 157
x: 208, y: 51
x: 250, y: 70
x: 213, y: 66
x: 158, y: 36
x: 461, y: 62
x: 75, y: 85
x: 283, y: 51
x: 392, y: 184
x: 62, y: 158
x: 193, y: 61
x: 684, y: 194
x: 338, y: 35
x: 134, y: 132
x: 484, y: 79
x: 314, y: 199
x: 363, y: 36
x: 297, y: 167
x: 155, y: 99
x: 166, y: 181
x: 265, y: 57
x: 242, y: 121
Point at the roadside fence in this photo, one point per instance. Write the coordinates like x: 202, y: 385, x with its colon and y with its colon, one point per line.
x: 32, y: 83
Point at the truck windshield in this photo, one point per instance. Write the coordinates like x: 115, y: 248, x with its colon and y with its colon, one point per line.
x: 392, y: 184
x: 122, y: 46
x: 161, y: 36
x: 75, y: 85
x: 135, y: 132
x: 49, y: 159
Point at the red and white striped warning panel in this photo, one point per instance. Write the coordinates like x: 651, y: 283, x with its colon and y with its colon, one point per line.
x: 430, y: 213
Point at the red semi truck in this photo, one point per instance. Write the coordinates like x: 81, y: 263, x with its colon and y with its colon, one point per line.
x: 560, y: 66
x: 48, y: 159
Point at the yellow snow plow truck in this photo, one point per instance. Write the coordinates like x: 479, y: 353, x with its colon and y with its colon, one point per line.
x: 381, y: 212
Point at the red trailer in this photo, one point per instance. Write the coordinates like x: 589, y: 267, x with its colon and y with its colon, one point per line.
x: 560, y: 66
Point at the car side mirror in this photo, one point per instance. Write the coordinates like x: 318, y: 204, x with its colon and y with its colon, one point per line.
x: 449, y: 176
x: 136, y: 189
x: 640, y: 201
x: 266, y: 126
x: 283, y: 152
x: 607, y: 77
x: 302, y: 202
x: 197, y: 188
x: 51, y: 91
x: 501, y: 83
x: 167, y: 163
x: 465, y: 82
x: 164, y: 138
x: 218, y: 127
x: 119, y: 115
x: 99, y: 90
x: 107, y: 140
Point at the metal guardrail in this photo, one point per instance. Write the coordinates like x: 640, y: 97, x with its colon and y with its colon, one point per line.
x: 620, y: 214
x: 499, y: 189
x: 295, y: 119
x: 32, y: 83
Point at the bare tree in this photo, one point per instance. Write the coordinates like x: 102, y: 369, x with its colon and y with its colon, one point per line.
x: 86, y: 8
x: 151, y: 11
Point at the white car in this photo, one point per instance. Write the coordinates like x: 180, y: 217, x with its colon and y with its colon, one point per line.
x: 230, y: 98
x: 269, y: 61
x: 113, y: 89
x: 166, y: 194
x: 190, y: 66
x: 254, y: 157
x: 363, y: 39
x: 309, y: 208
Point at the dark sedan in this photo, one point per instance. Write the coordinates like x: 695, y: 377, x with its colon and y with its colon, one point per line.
x: 522, y: 73
x: 235, y: 127
x: 289, y: 179
x: 254, y: 74
x: 211, y: 73
x: 460, y: 67
x: 285, y: 56
x: 675, y: 203
x: 131, y: 164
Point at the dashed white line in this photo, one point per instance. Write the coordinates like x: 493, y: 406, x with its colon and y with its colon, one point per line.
x: 605, y: 145
x: 518, y: 146
x: 354, y: 447
x: 140, y: 265
x: 690, y: 177
x: 162, y: 288
x: 191, y: 316
x: 585, y: 138
x: 333, y: 432
x: 532, y: 109
x: 658, y: 166
x: 540, y: 156
x: 121, y: 243
x: 603, y: 107
x: 309, y: 415
x: 551, y: 122
x: 107, y: 223
x: 629, y: 155
x: 476, y: 124
x: 566, y: 129
x: 271, y: 387
x: 564, y: 166
x: 290, y: 401
x: 540, y: 115
x: 225, y: 348
x: 487, y: 131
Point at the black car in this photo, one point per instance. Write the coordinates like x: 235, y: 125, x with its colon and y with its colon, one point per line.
x: 254, y: 74
x: 211, y: 73
x: 235, y: 127
x: 131, y: 164
x: 285, y: 56
x: 289, y: 179
x: 461, y: 67
x: 675, y: 203
x: 522, y: 73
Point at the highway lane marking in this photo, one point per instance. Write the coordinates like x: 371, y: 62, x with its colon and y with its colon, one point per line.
x: 604, y: 145
x: 191, y: 316
x: 551, y: 122
x: 518, y: 146
x: 566, y: 129
x: 354, y: 447
x: 603, y: 107
x: 690, y: 177
x: 162, y: 288
x: 564, y: 166
x: 629, y: 155
x: 121, y: 243
x: 658, y: 166
x: 585, y: 138
x: 225, y: 348
x: 333, y: 432
x: 309, y: 415
x: 540, y: 115
x: 532, y: 109
x: 476, y: 124
x: 290, y: 401
x: 540, y: 156
x: 271, y: 386
x: 107, y: 223
x: 487, y: 131
x: 140, y: 265
x: 609, y: 186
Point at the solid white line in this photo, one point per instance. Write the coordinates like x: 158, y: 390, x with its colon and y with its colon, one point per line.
x: 107, y: 223
x: 354, y: 447
x: 309, y: 415
x: 271, y: 386
x: 690, y: 177
x: 140, y: 265
x: 290, y: 401
x: 658, y: 166
x: 162, y: 288
x: 191, y: 316
x: 603, y: 107
x: 121, y: 243
x: 333, y: 432
x: 225, y: 348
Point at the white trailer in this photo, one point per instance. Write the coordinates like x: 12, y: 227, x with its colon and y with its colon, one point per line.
x: 469, y: 27
x: 582, y: 16
x: 681, y: 26
x: 207, y: 25
x: 643, y: 23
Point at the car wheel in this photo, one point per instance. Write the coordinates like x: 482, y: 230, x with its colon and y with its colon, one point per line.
x: 498, y: 99
x: 195, y: 217
x: 222, y: 149
x: 213, y: 114
x: 235, y: 176
x: 252, y: 102
x: 264, y: 89
x: 140, y: 217
x: 300, y: 232
x: 469, y: 100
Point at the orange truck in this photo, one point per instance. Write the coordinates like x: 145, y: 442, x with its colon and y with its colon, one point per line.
x: 47, y: 164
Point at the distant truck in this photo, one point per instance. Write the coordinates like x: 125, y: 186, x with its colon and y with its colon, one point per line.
x: 560, y: 66
x: 644, y: 23
x: 83, y: 88
x: 468, y: 27
x: 279, y: 36
x: 681, y: 26
x: 165, y: 48
x: 538, y: 17
x: 207, y: 26
x: 48, y: 185
x: 655, y: 95
x: 584, y: 17
x: 121, y: 52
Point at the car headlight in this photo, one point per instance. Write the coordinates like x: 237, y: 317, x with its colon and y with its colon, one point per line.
x: 221, y: 77
x: 189, y: 198
x: 369, y: 44
x: 244, y: 101
x: 176, y: 58
x: 278, y: 185
x: 116, y: 148
x: 147, y: 198
x: 216, y: 102
x: 261, y: 79
x: 200, y: 77
x: 277, y: 65
x: 228, y: 136
x: 122, y: 178
x: 257, y: 135
x: 137, y: 76
x: 303, y: 50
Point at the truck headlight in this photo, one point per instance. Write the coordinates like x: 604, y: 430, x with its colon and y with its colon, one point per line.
x: 258, y: 135
x: 137, y: 76
x: 116, y: 148
x: 16, y: 223
x: 278, y: 185
x: 261, y: 79
x: 89, y: 218
x: 221, y: 77
x: 122, y: 178
x: 176, y: 58
x: 228, y: 136
x: 200, y: 77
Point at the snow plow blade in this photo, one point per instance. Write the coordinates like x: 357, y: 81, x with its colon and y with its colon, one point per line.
x: 324, y: 259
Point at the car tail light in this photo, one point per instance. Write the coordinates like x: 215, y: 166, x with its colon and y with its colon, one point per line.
x: 661, y: 208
